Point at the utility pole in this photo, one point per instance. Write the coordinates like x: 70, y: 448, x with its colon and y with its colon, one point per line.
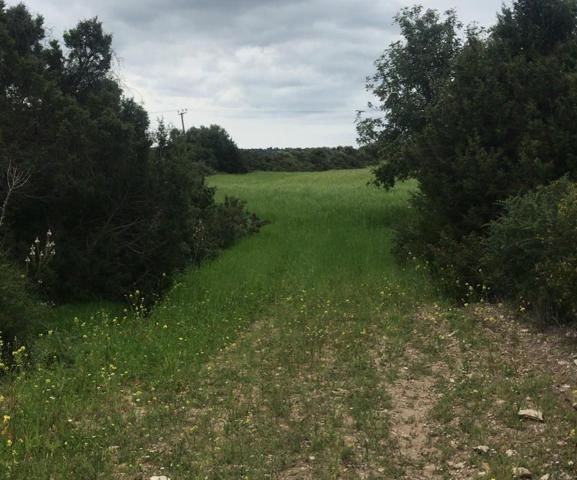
x: 182, y: 113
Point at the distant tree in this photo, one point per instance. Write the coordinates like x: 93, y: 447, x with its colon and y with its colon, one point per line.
x: 215, y: 148
x: 409, y: 76
x: 306, y: 159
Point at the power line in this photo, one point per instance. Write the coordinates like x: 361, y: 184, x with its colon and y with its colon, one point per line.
x: 260, y: 110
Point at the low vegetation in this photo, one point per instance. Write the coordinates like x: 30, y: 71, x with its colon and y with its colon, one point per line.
x: 530, y: 253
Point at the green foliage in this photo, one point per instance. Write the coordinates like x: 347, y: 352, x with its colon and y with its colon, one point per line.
x: 90, y: 56
x: 409, y: 76
x: 122, y: 214
x: 530, y: 251
x: 306, y: 159
x: 502, y: 126
x: 230, y: 221
x: 18, y: 309
x: 213, y: 147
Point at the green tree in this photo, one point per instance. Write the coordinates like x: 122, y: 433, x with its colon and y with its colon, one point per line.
x: 89, y: 56
x: 504, y: 123
x: 215, y: 147
x: 121, y: 217
x: 409, y: 76
x: 498, y: 121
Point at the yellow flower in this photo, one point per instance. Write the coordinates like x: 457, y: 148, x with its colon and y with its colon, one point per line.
x: 6, y: 419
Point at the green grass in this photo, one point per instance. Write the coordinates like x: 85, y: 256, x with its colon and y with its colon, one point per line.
x: 294, y: 354
x: 102, y: 383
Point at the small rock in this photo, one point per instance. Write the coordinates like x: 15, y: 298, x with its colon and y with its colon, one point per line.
x: 531, y: 414
x: 545, y: 477
x: 161, y: 477
x: 521, y: 472
x: 482, y: 449
x: 575, y: 362
x: 510, y: 453
x: 430, y: 469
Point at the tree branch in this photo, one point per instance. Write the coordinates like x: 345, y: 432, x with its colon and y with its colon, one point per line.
x: 15, y: 180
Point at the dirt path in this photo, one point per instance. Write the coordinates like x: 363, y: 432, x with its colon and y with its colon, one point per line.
x: 362, y: 400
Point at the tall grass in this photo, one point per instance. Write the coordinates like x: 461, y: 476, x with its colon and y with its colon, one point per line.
x: 101, y: 381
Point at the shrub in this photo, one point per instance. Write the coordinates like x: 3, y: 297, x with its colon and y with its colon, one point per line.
x: 18, y: 309
x: 530, y: 252
x: 454, y: 264
x: 225, y: 223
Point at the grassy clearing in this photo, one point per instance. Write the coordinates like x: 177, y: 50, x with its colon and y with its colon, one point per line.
x: 106, y: 386
x: 303, y: 352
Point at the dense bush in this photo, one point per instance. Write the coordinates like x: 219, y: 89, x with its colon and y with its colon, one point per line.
x: 122, y: 214
x: 476, y: 122
x: 530, y: 252
x: 19, y: 311
x: 229, y: 222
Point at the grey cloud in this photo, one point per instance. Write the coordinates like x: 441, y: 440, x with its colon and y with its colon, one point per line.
x: 284, y: 71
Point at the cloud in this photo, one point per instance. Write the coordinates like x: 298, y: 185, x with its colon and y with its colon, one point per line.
x: 274, y: 73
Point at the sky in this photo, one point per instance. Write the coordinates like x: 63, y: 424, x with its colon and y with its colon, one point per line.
x: 274, y: 73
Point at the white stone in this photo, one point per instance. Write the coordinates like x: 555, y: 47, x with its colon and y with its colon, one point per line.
x: 531, y: 414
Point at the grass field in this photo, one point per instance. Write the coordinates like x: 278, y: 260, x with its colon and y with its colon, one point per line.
x: 305, y: 351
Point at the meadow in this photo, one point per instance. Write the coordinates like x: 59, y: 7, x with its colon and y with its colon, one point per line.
x: 295, y: 354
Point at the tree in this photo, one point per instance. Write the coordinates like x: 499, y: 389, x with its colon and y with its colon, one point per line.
x: 502, y: 125
x: 215, y: 148
x: 409, y: 76
x: 94, y: 183
x: 123, y: 215
x: 89, y: 55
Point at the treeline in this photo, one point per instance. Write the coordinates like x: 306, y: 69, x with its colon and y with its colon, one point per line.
x: 306, y: 159
x: 213, y: 149
x: 93, y: 204
x: 485, y: 121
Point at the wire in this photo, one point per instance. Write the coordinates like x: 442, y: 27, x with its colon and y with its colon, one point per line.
x: 258, y: 110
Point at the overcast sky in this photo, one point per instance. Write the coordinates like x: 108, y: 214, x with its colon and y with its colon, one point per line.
x: 272, y: 72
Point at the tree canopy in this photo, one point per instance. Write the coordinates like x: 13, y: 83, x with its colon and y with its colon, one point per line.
x: 495, y: 120
x: 408, y: 78
x: 121, y: 214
